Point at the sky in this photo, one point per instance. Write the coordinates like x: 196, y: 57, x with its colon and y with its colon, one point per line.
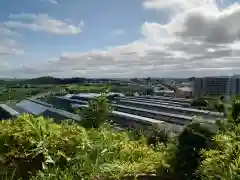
x: 119, y: 38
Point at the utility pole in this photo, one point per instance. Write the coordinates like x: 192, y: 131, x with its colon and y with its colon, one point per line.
x: 9, y: 94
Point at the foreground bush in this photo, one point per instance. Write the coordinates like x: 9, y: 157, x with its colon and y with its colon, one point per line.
x: 154, y: 134
x: 40, y: 149
x: 195, y: 137
x: 222, y: 161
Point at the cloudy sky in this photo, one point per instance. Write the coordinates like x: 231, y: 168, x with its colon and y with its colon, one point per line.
x: 119, y: 38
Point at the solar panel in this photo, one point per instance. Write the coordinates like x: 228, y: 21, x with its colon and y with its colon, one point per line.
x: 32, y: 107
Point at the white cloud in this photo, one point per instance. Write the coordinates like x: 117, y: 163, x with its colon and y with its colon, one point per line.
x: 199, y: 39
x: 9, y: 47
x: 41, y: 22
x: 7, y: 32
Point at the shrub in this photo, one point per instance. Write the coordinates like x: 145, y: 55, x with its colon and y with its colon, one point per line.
x: 236, y: 110
x: 154, y: 134
x: 199, y: 102
x: 96, y: 113
x: 222, y: 161
x: 39, y: 148
x: 196, y: 136
x: 219, y: 107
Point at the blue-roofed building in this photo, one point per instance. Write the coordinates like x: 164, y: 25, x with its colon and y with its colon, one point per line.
x: 60, y: 115
x: 32, y: 107
x: 7, y: 112
x: 37, y: 108
x: 65, y: 103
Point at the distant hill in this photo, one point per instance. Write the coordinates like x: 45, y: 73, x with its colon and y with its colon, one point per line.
x: 52, y: 80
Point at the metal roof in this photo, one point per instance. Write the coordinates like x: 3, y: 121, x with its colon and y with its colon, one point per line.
x: 39, y: 102
x: 155, y: 100
x: 10, y: 110
x: 92, y: 95
x: 18, y: 109
x: 66, y: 114
x: 32, y: 107
x: 155, y: 112
x: 145, y: 119
x: 168, y: 98
x: 79, y: 105
x: 68, y: 95
x: 176, y: 108
x: 72, y: 100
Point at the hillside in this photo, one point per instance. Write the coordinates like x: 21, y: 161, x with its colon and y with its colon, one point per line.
x: 53, y: 80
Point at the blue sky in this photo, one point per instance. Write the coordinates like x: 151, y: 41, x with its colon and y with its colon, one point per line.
x: 113, y: 38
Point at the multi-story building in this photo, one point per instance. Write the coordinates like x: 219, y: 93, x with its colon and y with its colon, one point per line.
x: 215, y: 86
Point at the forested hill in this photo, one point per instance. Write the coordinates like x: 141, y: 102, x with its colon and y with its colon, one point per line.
x: 52, y: 80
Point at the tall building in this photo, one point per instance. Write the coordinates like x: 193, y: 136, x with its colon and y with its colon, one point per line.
x: 215, y: 86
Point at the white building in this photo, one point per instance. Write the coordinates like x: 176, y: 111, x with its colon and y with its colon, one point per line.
x: 183, y: 92
x: 216, y: 86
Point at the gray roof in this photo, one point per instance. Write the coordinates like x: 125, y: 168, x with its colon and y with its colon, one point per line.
x: 156, y: 100
x: 64, y: 114
x: 148, y: 120
x: 9, y: 109
x: 32, y: 107
x: 168, y: 98
x: 72, y: 100
x: 39, y: 102
x: 79, y: 105
x: 155, y: 112
x: 176, y: 108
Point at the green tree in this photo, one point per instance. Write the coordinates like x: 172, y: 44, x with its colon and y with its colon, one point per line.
x: 96, y: 113
x: 192, y: 140
x: 199, y: 102
x: 219, y: 107
x: 222, y: 160
x: 236, y: 110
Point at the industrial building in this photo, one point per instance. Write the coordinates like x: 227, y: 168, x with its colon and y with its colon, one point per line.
x: 172, y: 109
x: 36, y: 108
x: 157, y: 101
x: 216, y: 86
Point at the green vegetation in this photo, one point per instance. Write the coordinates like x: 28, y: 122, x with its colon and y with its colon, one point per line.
x: 96, y: 113
x: 88, y: 88
x: 18, y: 92
x: 38, y: 149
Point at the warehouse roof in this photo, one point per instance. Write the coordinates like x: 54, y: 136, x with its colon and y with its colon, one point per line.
x: 9, y: 110
x: 32, y: 107
x: 176, y: 108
